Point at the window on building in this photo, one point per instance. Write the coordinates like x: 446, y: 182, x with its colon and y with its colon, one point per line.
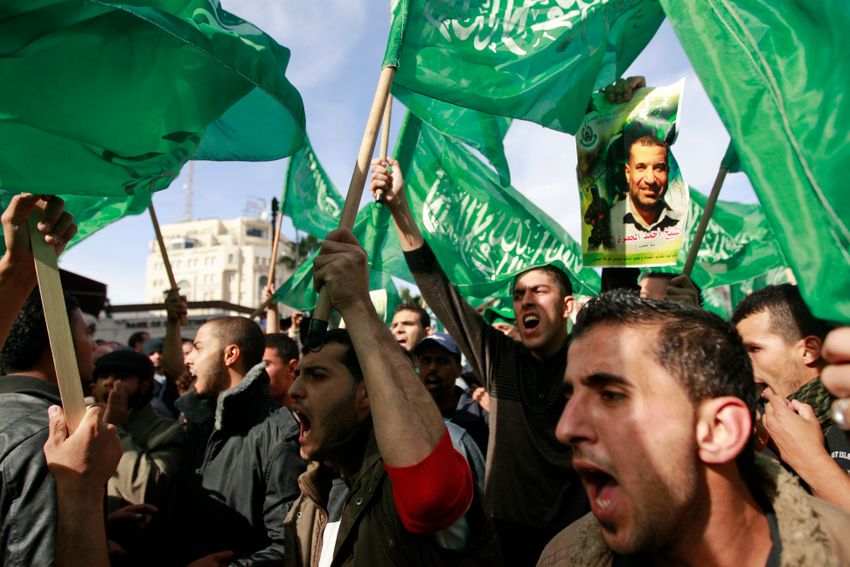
x: 257, y: 232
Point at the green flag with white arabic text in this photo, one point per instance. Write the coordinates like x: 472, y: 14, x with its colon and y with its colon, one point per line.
x: 778, y: 74
x: 309, y: 197
x: 536, y: 60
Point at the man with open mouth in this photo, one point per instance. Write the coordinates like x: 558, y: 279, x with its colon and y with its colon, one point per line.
x: 386, y: 485
x: 531, y: 492
x: 660, y: 401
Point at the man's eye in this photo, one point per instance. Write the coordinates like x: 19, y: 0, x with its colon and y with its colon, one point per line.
x: 612, y: 396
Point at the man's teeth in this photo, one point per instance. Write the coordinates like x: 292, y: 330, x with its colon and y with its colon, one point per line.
x: 602, y: 502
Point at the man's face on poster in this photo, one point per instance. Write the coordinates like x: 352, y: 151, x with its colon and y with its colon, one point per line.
x: 646, y: 174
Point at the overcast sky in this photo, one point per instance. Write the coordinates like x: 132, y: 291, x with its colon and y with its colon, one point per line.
x: 337, y: 47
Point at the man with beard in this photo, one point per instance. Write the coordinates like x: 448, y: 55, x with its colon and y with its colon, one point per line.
x: 152, y: 449
x: 660, y: 400
x: 531, y: 492
x: 385, y: 485
x: 242, y: 464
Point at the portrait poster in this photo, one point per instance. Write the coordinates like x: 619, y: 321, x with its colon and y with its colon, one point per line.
x: 634, y: 202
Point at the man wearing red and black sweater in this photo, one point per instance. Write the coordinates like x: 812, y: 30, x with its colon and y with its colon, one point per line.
x: 385, y: 485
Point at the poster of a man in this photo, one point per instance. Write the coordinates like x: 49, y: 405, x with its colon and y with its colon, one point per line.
x: 633, y: 197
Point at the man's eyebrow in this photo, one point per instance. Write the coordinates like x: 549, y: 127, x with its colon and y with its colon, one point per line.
x: 600, y: 379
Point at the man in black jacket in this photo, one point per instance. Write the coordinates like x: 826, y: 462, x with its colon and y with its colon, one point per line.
x: 243, y: 460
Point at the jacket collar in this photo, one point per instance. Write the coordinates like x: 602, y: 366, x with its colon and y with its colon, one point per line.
x: 18, y: 384
x: 804, y: 542
x: 814, y: 394
x: 249, y: 398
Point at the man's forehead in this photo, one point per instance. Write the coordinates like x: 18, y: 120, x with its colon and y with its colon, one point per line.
x: 407, y: 316
x: 534, y: 277
x: 640, y: 152
x: 612, y: 348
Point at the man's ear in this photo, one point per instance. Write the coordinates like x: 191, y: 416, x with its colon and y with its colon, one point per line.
x: 429, y: 331
x: 231, y: 355
x: 292, y: 365
x: 811, y: 350
x: 569, y: 306
x: 362, y: 396
x: 723, y: 428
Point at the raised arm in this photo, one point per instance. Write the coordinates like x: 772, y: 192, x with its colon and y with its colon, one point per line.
x: 432, y: 482
x: 17, y: 270
x: 176, y: 308
x: 474, y: 336
x: 408, y: 424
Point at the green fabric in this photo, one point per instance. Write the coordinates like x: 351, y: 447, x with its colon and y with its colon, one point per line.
x: 373, y: 228
x: 731, y: 161
x: 537, y: 61
x: 92, y: 213
x: 481, y: 233
x: 111, y: 99
x: 309, y: 197
x: 778, y: 74
x: 480, y: 130
x: 738, y: 250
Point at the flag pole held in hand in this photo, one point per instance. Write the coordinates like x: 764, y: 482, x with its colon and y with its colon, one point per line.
x: 171, y: 281
x: 321, y: 315
x: 385, y: 140
x: 58, y: 327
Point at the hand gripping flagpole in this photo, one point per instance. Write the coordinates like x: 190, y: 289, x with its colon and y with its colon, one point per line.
x: 322, y: 312
x: 385, y: 140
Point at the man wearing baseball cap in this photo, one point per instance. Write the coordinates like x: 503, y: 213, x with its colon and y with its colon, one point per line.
x: 439, y: 368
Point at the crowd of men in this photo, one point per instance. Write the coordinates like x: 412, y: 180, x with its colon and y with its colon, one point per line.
x: 652, y: 433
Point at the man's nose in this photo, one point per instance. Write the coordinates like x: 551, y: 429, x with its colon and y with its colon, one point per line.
x: 573, y: 426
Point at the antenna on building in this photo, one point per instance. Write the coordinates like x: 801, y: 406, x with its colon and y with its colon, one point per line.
x: 187, y: 189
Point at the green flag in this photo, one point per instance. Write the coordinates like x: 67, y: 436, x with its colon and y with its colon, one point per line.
x: 738, y: 250
x: 482, y: 234
x: 777, y: 74
x: 309, y: 197
x: 536, y: 61
x: 111, y: 99
x: 480, y: 130
x: 373, y: 228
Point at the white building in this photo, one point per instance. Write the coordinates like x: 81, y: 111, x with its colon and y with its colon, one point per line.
x: 215, y: 260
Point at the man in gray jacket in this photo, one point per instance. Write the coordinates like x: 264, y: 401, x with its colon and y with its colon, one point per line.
x: 243, y: 457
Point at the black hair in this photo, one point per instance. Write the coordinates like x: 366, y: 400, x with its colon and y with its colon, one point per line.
x: 790, y: 318
x: 27, y: 338
x: 424, y: 318
x: 557, y: 274
x: 697, y: 347
x: 340, y: 337
x: 245, y: 334
x: 286, y: 348
x: 139, y: 337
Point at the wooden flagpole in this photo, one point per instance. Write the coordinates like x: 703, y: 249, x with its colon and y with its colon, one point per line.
x: 171, y: 281
x: 58, y: 327
x: 703, y: 221
x: 321, y: 315
x: 385, y: 139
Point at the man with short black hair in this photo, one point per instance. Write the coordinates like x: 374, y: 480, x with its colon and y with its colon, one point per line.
x: 242, y: 466
x: 281, y: 358
x: 137, y: 340
x: 410, y: 324
x: 659, y: 411
x: 385, y: 486
x: 784, y: 341
x: 531, y: 492
x: 28, y: 521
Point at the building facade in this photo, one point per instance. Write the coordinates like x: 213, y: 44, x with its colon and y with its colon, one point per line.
x: 215, y: 260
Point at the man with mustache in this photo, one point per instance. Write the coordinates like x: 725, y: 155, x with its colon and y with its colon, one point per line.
x: 660, y: 403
